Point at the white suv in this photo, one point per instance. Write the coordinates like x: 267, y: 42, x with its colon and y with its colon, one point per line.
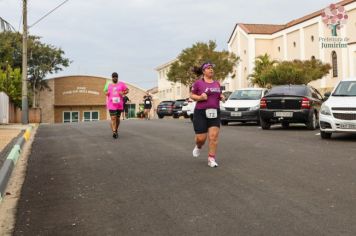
x: 338, y: 113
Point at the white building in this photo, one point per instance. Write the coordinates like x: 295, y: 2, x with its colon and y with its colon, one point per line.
x: 304, y: 38
x: 168, y: 90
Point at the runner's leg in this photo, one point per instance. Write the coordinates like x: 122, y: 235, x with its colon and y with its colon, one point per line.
x: 213, y: 134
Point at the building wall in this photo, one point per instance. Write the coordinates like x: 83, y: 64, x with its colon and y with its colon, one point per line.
x: 293, y: 45
x: 300, y: 46
x: 277, y: 48
x: 168, y: 90
x: 311, y: 41
x: 243, y: 67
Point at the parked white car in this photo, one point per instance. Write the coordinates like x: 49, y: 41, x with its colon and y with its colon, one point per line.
x: 243, y: 105
x: 338, y: 112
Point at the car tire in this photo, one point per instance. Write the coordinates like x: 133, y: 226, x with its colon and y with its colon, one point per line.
x: 285, y: 125
x: 160, y: 116
x: 186, y: 116
x: 265, y: 124
x: 191, y: 117
x: 312, y: 124
x: 224, y: 122
x: 175, y: 116
x: 325, y: 135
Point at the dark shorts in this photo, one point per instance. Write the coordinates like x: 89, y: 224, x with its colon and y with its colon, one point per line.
x: 147, y: 106
x: 115, y: 113
x: 202, y: 124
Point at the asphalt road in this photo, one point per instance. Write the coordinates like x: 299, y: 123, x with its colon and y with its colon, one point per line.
x: 80, y: 181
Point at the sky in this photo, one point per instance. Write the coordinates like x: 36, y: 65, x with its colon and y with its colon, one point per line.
x: 133, y: 37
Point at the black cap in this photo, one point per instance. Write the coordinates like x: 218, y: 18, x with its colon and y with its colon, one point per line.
x: 114, y: 75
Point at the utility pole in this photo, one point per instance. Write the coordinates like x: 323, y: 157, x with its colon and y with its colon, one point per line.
x: 24, y: 117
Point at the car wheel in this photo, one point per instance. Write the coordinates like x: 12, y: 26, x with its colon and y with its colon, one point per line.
x: 285, y: 125
x: 191, y: 118
x: 175, y: 116
x: 312, y: 124
x: 160, y: 116
x: 224, y: 122
x: 325, y: 135
x: 186, y: 116
x: 265, y: 124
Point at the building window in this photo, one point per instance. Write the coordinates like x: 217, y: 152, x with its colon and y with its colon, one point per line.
x: 70, y: 116
x: 312, y: 38
x: 279, y: 49
x: 294, y: 44
x: 90, y: 116
x: 334, y: 63
x: 178, y: 91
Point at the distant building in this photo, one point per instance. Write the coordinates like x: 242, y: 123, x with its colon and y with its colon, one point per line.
x: 305, y: 38
x: 81, y: 99
x: 168, y: 90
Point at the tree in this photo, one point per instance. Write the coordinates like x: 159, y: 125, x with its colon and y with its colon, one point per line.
x: 43, y: 59
x: 11, y: 84
x: 263, y: 63
x: 295, y: 72
x: 181, y: 70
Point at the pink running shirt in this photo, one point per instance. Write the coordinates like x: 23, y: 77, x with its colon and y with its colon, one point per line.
x: 115, y: 100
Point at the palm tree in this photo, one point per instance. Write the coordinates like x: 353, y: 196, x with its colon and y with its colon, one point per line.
x: 5, y: 26
x: 262, y: 64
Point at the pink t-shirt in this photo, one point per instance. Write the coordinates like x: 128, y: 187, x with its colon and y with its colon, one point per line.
x: 115, y: 101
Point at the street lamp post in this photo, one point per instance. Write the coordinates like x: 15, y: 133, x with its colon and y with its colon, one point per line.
x: 24, y: 117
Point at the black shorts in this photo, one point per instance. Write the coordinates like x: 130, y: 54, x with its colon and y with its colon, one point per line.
x: 147, y: 106
x: 202, y: 124
x: 115, y: 113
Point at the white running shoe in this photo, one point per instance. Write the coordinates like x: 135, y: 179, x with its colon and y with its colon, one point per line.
x: 212, y: 162
x: 196, y: 151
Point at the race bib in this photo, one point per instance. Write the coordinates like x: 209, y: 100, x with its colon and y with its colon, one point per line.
x: 115, y: 100
x: 148, y: 102
x: 211, y: 113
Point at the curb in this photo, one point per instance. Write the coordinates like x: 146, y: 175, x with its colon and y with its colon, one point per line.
x: 10, y: 162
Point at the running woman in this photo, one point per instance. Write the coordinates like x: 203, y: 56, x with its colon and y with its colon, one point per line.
x: 115, y: 92
x: 207, y: 93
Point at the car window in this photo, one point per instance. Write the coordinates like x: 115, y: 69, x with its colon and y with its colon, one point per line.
x: 246, y: 95
x: 166, y: 103
x: 289, y: 91
x: 178, y: 102
x: 345, y: 88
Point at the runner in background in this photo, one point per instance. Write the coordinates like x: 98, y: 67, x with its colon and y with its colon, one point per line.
x: 147, y: 101
x: 115, y: 92
x: 126, y: 107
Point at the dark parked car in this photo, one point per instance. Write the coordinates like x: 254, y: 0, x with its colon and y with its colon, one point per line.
x: 177, y: 108
x: 287, y: 104
x: 165, y: 108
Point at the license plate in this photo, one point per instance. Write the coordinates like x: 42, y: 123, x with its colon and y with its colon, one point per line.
x: 348, y: 126
x: 163, y: 108
x: 236, y: 114
x: 283, y: 114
